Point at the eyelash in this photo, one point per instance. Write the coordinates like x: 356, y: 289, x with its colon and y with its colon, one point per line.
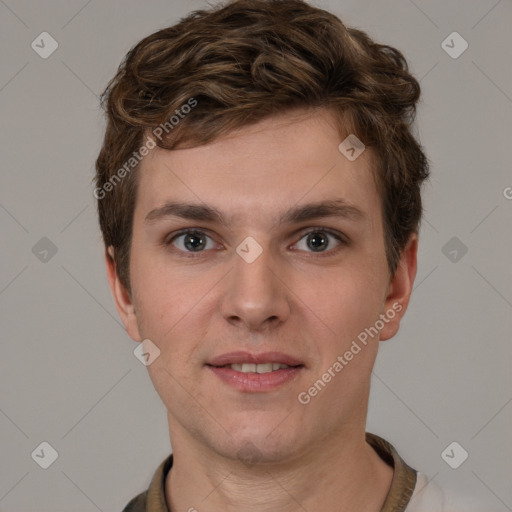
x: 329, y: 252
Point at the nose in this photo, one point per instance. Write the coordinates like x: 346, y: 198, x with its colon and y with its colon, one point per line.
x: 255, y: 295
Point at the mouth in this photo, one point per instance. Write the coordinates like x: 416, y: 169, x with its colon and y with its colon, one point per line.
x: 249, y: 372
x: 256, y: 368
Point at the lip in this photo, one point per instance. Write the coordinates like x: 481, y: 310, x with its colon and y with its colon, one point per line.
x: 255, y: 382
x: 241, y: 357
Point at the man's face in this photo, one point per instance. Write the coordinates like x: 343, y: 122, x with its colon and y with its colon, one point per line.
x: 203, y: 293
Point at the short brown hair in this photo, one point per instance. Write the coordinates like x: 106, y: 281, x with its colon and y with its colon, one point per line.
x: 246, y: 60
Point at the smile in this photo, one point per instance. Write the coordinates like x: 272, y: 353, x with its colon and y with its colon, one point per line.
x: 257, y: 368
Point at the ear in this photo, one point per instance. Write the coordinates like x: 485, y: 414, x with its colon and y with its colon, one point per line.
x: 122, y: 297
x: 400, y: 289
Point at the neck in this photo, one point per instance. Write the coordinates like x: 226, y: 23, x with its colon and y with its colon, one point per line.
x: 342, y: 474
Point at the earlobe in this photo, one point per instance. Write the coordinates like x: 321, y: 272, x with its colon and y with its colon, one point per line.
x: 400, y: 288
x: 122, y: 297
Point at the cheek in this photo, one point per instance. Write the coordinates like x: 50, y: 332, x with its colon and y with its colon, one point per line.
x: 159, y: 298
x: 173, y: 306
x: 352, y: 299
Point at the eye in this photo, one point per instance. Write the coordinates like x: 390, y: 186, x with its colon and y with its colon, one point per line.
x: 191, y: 241
x: 319, y: 240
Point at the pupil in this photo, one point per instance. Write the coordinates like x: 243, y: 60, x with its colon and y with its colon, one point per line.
x: 194, y: 242
x: 317, y: 241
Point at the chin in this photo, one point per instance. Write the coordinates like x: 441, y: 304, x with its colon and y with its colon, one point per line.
x: 253, y: 445
x: 260, y: 451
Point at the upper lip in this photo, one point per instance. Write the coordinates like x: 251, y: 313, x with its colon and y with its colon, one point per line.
x: 241, y: 357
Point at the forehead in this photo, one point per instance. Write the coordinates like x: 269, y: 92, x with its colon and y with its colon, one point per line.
x: 260, y: 171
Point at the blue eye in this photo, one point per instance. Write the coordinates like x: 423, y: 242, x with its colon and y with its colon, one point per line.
x: 192, y: 241
x: 319, y: 240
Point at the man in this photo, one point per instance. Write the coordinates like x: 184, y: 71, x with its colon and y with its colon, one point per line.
x: 259, y: 198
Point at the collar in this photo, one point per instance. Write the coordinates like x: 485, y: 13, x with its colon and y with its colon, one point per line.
x: 399, y: 495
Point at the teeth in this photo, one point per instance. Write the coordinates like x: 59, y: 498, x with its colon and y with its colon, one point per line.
x: 257, y: 368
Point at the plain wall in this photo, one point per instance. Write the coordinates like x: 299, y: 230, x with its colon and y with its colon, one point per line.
x: 68, y: 375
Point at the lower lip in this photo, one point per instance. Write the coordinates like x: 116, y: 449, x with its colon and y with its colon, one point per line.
x: 256, y: 382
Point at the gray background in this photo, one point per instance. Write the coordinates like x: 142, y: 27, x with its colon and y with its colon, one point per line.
x: 68, y: 375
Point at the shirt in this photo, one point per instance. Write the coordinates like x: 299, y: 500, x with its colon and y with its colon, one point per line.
x: 408, y: 491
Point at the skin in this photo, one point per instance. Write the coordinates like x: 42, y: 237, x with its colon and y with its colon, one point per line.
x: 306, y: 303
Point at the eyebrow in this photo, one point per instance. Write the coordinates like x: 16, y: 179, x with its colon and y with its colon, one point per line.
x: 310, y: 211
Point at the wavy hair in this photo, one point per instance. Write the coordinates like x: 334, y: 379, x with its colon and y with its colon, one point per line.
x: 245, y: 60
